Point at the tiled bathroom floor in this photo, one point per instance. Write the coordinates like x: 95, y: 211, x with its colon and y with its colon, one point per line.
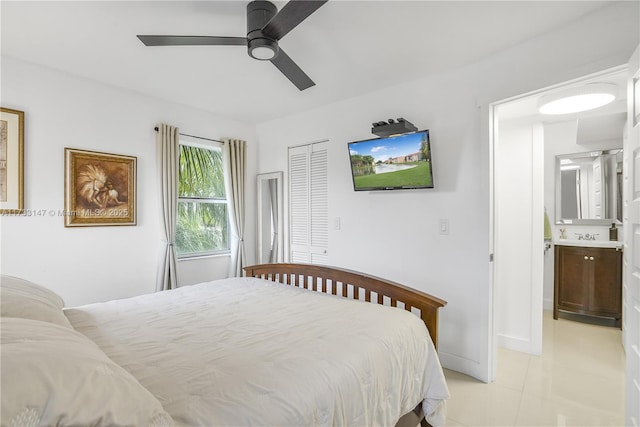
x: 577, y: 381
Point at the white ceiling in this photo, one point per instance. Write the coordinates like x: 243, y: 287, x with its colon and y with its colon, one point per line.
x: 602, y: 124
x: 346, y: 47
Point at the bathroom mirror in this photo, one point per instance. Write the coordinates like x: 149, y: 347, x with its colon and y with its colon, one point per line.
x: 270, y: 221
x: 589, y: 188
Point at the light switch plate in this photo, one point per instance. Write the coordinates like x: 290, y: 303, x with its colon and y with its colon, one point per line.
x: 444, y: 226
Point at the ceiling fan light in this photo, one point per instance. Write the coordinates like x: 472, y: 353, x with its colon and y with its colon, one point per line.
x: 263, y: 53
x: 263, y: 49
x: 577, y: 99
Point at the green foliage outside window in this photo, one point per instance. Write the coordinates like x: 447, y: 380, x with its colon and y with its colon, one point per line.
x: 362, y: 165
x: 424, y: 148
x: 202, y: 225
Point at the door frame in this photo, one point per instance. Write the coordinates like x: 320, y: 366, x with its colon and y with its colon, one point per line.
x: 630, y: 283
x: 493, y: 138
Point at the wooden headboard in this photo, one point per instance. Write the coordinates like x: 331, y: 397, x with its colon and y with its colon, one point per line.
x: 354, y: 285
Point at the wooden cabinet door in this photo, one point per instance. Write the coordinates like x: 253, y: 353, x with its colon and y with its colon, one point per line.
x: 572, y: 277
x: 606, y: 287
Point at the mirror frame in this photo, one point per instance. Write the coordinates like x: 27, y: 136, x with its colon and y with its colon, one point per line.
x: 558, y: 207
x: 260, y: 179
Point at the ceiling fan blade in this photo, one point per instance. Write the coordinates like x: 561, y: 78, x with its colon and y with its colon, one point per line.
x: 291, y: 70
x: 192, y: 41
x: 291, y: 14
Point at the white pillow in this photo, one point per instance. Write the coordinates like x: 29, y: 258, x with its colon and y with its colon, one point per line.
x: 21, y: 298
x: 53, y: 375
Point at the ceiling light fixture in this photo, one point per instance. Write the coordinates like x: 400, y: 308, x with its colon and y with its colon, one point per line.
x: 577, y: 99
x: 263, y: 49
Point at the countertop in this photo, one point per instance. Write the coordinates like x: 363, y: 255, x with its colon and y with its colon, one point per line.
x: 588, y: 243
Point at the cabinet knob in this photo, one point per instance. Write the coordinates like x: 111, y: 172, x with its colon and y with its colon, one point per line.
x: 591, y: 258
x: 586, y: 257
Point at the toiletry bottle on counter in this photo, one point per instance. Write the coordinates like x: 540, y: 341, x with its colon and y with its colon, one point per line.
x: 613, y: 232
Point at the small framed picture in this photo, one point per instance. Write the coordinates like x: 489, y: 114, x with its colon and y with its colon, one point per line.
x: 11, y: 161
x: 100, y: 189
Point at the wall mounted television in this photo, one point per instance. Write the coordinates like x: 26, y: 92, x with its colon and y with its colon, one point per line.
x: 397, y: 162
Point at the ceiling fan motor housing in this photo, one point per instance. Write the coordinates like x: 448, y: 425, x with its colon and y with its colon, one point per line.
x: 260, y: 46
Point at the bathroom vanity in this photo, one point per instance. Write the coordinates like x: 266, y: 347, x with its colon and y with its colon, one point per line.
x: 588, y: 281
x: 588, y: 272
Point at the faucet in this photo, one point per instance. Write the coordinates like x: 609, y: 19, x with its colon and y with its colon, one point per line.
x: 586, y: 236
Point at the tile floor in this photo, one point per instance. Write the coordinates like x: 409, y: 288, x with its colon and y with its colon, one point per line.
x: 577, y: 381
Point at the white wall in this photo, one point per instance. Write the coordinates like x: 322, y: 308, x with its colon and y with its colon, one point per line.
x: 92, y: 264
x: 519, y: 247
x: 395, y: 234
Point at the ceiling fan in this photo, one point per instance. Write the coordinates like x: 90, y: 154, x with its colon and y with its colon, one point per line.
x: 265, y: 28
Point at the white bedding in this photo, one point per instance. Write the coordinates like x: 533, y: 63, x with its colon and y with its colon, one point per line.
x: 247, y: 351
x: 55, y: 376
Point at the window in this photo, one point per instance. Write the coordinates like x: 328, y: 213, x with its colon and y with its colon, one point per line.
x: 203, y: 221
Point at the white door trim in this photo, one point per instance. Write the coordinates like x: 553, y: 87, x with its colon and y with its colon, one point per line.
x: 493, y: 137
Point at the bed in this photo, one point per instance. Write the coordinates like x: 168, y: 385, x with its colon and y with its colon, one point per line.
x: 286, y: 345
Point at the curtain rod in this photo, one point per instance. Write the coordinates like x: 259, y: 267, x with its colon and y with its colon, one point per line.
x: 193, y: 136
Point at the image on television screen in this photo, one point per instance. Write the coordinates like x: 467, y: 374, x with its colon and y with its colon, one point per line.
x: 392, y: 163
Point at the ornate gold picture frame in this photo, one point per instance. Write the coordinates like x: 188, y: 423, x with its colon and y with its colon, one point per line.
x: 11, y: 161
x: 100, y: 189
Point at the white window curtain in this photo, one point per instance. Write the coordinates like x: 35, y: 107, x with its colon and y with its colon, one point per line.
x: 168, y: 142
x: 235, y: 151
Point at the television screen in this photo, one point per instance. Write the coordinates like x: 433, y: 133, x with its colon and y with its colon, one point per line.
x: 392, y: 163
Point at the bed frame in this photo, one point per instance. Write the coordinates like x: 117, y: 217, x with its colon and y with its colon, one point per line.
x: 354, y: 285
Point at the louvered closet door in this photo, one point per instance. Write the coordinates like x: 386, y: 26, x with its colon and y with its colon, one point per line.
x: 299, y: 204
x: 309, y: 204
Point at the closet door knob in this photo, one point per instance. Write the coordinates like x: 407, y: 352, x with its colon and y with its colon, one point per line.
x: 591, y: 258
x: 586, y: 257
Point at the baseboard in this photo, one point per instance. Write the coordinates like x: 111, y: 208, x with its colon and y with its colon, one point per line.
x: 514, y: 343
x: 462, y: 365
x: 547, y: 304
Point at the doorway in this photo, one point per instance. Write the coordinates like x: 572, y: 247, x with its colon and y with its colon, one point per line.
x: 524, y: 145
